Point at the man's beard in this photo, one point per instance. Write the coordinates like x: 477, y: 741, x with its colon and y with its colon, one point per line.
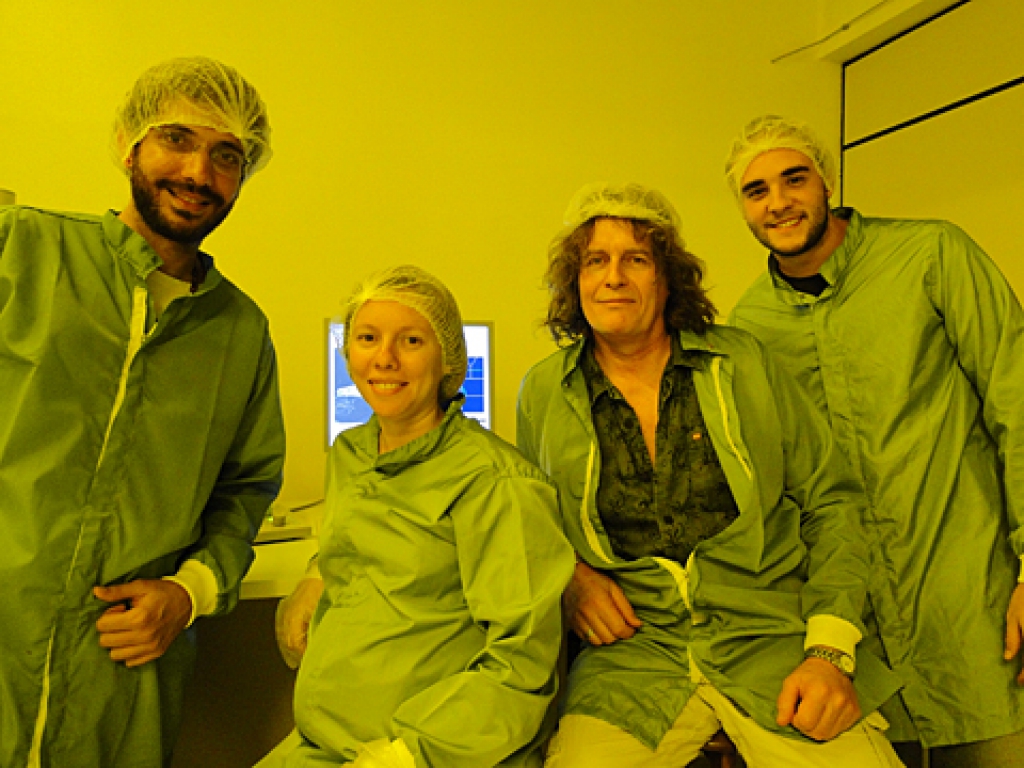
x: 817, y: 219
x: 145, y: 192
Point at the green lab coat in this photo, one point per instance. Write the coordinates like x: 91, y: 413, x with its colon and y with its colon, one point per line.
x: 795, y: 551
x: 185, y: 468
x: 915, y: 354
x: 443, y: 564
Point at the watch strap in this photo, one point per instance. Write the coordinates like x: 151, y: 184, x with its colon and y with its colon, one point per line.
x: 841, y: 661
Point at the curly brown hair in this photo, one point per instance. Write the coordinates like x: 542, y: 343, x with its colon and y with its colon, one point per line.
x: 688, y: 306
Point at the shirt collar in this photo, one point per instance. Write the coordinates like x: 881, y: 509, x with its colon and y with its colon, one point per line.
x: 134, y: 249
x: 695, y: 350
x: 834, y: 267
x: 599, y: 384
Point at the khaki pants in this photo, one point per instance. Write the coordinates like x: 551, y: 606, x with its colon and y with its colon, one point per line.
x: 587, y: 742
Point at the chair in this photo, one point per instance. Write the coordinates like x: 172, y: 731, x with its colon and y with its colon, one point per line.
x: 721, y: 752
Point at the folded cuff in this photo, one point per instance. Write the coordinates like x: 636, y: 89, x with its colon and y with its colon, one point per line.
x: 834, y: 632
x: 198, y: 580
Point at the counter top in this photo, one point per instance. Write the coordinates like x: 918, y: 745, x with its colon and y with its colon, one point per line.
x: 281, y: 564
x: 278, y: 568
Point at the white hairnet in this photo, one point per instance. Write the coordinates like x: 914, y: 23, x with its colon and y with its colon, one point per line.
x: 769, y: 132
x: 620, y: 201
x: 194, y: 90
x: 421, y: 291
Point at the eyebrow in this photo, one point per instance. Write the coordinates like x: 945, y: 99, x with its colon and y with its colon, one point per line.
x: 372, y: 327
x: 641, y: 249
x: 795, y: 170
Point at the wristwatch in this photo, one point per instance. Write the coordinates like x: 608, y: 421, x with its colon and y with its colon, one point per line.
x: 842, y: 661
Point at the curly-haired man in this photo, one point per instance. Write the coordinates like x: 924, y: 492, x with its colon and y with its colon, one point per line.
x: 722, y: 570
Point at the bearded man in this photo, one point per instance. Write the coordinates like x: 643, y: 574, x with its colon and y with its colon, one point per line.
x: 910, y: 342
x: 141, y: 438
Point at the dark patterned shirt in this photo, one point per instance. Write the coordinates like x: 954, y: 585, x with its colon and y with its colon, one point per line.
x: 684, y: 498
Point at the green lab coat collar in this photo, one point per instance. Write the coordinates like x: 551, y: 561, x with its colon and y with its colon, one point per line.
x: 134, y: 249
x: 415, y: 451
x: 834, y: 267
x: 689, y: 341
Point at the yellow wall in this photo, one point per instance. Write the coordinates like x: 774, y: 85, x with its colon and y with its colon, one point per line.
x: 965, y: 165
x: 450, y: 134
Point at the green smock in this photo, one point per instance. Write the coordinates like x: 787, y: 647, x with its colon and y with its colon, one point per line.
x: 738, y: 608
x: 915, y: 354
x: 443, y: 563
x: 122, y: 453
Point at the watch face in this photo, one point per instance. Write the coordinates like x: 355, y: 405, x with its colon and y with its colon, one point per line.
x: 844, y: 663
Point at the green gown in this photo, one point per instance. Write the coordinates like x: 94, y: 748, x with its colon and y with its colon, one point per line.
x: 915, y: 355
x: 795, y: 551
x: 123, y: 451
x: 443, y: 564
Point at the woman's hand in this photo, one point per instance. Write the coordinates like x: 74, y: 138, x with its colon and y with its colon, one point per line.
x: 294, y: 613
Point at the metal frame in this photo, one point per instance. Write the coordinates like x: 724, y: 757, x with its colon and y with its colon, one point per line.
x: 848, y: 145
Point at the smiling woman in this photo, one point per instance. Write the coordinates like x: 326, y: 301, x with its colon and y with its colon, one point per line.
x: 405, y: 350
x: 443, y: 562
x: 397, y: 364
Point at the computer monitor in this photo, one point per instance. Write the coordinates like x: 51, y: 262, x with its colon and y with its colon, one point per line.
x: 346, y: 407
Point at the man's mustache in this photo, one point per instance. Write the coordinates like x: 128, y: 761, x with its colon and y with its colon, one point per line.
x: 204, y: 191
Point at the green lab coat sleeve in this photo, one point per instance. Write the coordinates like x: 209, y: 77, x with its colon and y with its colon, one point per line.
x: 819, y: 480
x: 514, y: 563
x: 248, y: 482
x: 985, y: 325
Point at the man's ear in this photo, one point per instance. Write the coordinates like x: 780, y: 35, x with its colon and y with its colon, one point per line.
x: 129, y: 159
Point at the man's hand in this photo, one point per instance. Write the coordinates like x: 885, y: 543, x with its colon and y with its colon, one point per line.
x: 818, y: 700
x: 1015, y: 627
x: 157, y: 611
x: 294, y: 613
x: 597, y: 608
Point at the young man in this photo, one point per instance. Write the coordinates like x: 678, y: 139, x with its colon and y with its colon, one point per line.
x: 722, y: 568
x: 909, y: 340
x: 141, y: 438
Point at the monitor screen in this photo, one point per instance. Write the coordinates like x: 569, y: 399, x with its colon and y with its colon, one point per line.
x: 346, y: 407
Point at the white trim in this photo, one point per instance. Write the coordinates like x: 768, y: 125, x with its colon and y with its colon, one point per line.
x: 682, y: 578
x: 35, y: 751
x: 716, y: 365
x: 679, y: 574
x: 585, y: 521
x: 136, y: 335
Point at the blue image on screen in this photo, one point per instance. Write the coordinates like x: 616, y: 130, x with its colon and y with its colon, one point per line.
x: 346, y: 407
x: 473, y: 386
x: 349, y: 406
